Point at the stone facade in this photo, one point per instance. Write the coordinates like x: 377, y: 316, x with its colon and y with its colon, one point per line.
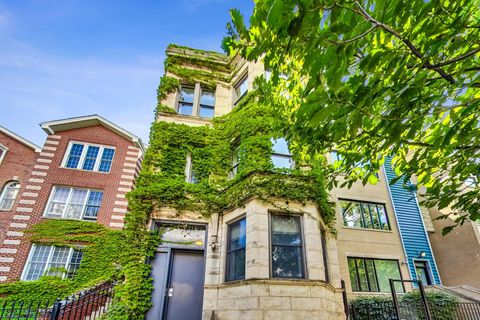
x: 259, y: 295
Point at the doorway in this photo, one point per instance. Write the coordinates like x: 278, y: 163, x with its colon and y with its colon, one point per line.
x: 178, y: 273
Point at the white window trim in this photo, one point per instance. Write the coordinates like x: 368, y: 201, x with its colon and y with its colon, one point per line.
x: 49, y: 258
x: 84, y: 153
x: 50, y: 197
x: 5, y: 150
x: 4, y: 190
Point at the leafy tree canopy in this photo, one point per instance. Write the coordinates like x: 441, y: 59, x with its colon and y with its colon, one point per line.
x: 372, y: 79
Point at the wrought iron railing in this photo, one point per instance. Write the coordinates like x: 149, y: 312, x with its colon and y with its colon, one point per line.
x: 85, y: 305
x: 414, y: 311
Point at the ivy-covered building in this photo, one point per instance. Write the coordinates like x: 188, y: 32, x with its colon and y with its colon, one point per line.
x: 69, y: 196
x: 248, y: 227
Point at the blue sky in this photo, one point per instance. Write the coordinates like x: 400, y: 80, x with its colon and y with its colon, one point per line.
x: 67, y: 58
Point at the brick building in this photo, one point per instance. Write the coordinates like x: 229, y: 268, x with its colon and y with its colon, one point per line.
x: 17, y: 158
x: 85, y: 168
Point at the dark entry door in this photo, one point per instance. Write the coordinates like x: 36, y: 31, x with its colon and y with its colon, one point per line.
x: 185, y: 287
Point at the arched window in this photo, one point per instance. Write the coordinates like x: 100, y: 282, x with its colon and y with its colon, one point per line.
x: 9, y: 194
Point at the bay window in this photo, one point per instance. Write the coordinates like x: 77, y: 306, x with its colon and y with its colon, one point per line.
x: 286, y: 247
x: 236, y: 250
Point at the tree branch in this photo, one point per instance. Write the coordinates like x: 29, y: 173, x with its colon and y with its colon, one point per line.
x: 407, y: 42
x: 355, y: 38
x: 466, y: 55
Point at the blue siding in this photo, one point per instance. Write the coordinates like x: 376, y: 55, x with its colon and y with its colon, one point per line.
x: 410, y: 222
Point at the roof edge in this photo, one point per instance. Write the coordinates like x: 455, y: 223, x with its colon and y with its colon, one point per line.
x: 49, y: 127
x: 15, y: 136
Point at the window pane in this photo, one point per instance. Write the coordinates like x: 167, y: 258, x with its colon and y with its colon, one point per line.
x: 185, y: 109
x: 362, y: 275
x: 90, y: 158
x: 383, y: 217
x: 236, y: 265
x: 236, y: 250
x: 371, y: 275
x: 241, y: 88
x: 366, y: 216
x: 74, y: 156
x: 206, y: 112
x: 352, y: 216
x: 287, y: 262
x: 75, y: 206
x: 186, y: 94
x: 281, y: 162
x: 207, y: 98
x: 74, y: 263
x: 38, y: 262
x: 287, y: 253
x: 8, y: 195
x: 58, y: 261
x: 353, y: 274
x: 58, y: 202
x: 286, y: 230
x: 106, y: 161
x: 387, y: 269
x: 93, y: 205
x: 280, y: 146
x: 238, y: 234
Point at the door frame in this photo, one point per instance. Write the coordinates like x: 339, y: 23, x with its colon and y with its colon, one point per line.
x: 167, y: 249
x: 170, y: 258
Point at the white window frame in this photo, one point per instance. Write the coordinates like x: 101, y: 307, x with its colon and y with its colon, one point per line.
x: 5, y: 150
x: 98, y: 160
x: 84, y: 205
x: 48, y: 262
x: 4, y: 191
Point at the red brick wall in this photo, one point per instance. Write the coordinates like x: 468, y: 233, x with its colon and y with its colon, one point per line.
x: 16, y: 165
x: 48, y: 173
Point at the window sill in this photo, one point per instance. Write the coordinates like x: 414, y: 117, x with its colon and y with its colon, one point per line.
x: 69, y: 219
x: 83, y: 170
x: 6, y: 210
x: 365, y: 229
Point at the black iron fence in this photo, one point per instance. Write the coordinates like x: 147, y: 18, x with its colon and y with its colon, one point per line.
x: 86, y: 305
x: 414, y: 311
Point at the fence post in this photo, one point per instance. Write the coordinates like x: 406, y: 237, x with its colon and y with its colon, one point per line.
x: 424, y: 300
x: 345, y: 301
x: 56, y: 310
x: 394, y: 297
